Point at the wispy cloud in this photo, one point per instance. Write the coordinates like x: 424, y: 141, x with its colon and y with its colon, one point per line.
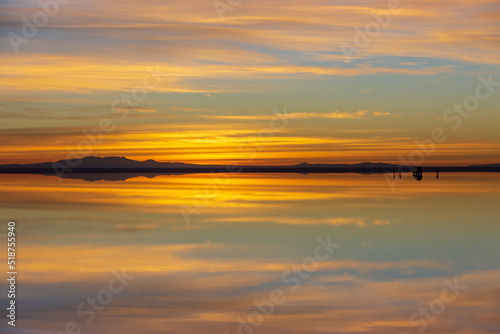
x: 360, y: 114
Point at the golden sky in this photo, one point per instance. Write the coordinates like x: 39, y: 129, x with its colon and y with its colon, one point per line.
x: 188, y: 81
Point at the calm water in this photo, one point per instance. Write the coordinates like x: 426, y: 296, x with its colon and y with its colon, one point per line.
x: 423, y: 258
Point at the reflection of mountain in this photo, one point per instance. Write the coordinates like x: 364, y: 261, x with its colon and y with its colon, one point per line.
x: 121, y: 168
x: 111, y: 176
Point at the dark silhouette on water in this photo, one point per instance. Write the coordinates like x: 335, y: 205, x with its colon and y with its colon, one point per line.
x: 121, y: 168
x: 418, y: 174
x: 437, y: 173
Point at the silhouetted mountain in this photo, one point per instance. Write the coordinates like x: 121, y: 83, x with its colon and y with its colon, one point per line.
x: 80, y: 168
x: 483, y: 166
x: 358, y: 165
x: 121, y: 164
x: 92, y: 162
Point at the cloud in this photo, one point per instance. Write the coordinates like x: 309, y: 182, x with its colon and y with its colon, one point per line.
x: 360, y: 114
x: 197, y: 50
x: 101, y: 50
x: 78, y: 74
x: 412, y: 63
x: 142, y: 109
x: 186, y: 109
x: 136, y: 228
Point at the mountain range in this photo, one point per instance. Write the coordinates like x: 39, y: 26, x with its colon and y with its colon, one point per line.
x: 123, y: 165
x: 119, y: 164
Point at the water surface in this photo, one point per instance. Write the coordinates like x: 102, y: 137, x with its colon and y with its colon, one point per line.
x: 246, y: 237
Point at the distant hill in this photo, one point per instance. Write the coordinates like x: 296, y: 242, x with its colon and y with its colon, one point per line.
x: 358, y: 165
x: 122, y: 163
x: 108, y: 165
x: 92, y: 162
x: 489, y: 165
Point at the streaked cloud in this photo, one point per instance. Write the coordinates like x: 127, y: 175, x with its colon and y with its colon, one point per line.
x: 360, y: 114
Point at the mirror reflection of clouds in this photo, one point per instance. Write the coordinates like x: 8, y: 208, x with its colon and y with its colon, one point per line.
x: 396, y: 251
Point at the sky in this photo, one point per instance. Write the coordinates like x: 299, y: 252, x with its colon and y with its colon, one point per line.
x: 256, y: 82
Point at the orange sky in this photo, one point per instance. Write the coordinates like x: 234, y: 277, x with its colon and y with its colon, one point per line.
x: 178, y: 82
